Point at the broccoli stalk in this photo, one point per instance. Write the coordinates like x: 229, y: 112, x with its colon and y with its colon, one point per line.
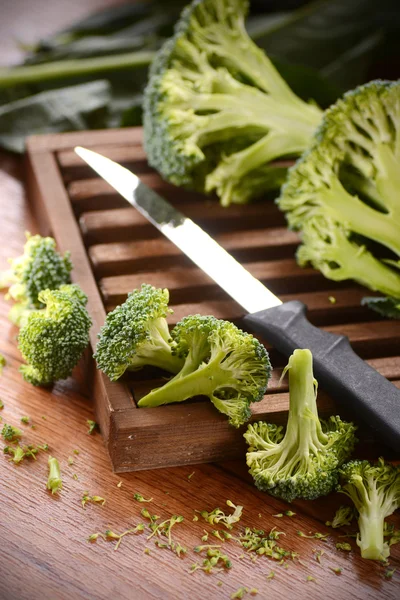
x: 54, y: 481
x: 303, y: 462
x: 349, y: 181
x: 222, y: 362
x: 375, y: 491
x: 216, y: 109
x: 53, y: 340
x: 136, y: 334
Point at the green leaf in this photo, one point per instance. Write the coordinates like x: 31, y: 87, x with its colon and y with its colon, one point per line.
x: 68, y: 109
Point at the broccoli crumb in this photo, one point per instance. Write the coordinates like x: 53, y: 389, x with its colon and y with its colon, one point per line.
x: 279, y: 515
x: 140, y: 498
x: 1, y: 404
x: 54, y: 482
x: 70, y: 460
x: 25, y: 420
x: 316, y: 535
x: 389, y: 573
x: 310, y: 578
x: 240, y: 593
x: 92, y: 426
x: 10, y: 433
x: 110, y: 536
x: 119, y: 484
x: 75, y: 451
x: 218, y: 516
x: 146, y: 550
x: 318, y: 554
x: 205, y: 536
x: 345, y: 546
x: 289, y: 513
x: 332, y: 299
x: 44, y: 417
x: 271, y: 575
x: 195, y: 518
x: 3, y: 363
x: 190, y: 476
x: 337, y: 570
x: 95, y: 499
x: 219, y: 583
x: 75, y: 476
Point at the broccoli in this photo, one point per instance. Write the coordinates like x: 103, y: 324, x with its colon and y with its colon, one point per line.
x: 375, y: 491
x: 11, y: 433
x: 40, y: 267
x: 3, y: 363
x: 303, y: 462
x: 343, y: 192
x: 136, y: 334
x: 217, y: 112
x: 343, y: 516
x: 53, y: 340
x: 222, y: 362
x: 54, y: 482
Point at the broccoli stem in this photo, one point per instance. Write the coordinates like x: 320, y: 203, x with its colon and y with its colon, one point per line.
x: 202, y: 382
x: 371, y: 526
x: 361, y: 218
x: 63, y: 69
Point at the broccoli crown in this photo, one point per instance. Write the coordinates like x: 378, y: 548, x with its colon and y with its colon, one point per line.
x: 303, y: 461
x: 53, y: 340
x: 136, y: 334
x: 349, y: 180
x: 387, y: 307
x: 375, y: 491
x: 222, y: 362
x: 40, y: 268
x: 216, y: 111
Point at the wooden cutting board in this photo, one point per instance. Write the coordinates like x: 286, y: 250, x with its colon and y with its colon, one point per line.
x: 114, y: 250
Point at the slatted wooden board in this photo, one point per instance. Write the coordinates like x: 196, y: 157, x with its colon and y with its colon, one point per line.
x: 114, y: 250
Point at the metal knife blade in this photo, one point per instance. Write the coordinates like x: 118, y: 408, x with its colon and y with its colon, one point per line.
x: 344, y: 374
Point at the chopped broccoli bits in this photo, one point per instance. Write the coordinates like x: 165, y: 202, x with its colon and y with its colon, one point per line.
x: 303, y: 461
x: 216, y: 111
x: 53, y: 340
x: 54, y: 482
x: 11, y: 433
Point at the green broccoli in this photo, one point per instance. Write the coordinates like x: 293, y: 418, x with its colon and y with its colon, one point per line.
x: 53, y: 340
x: 40, y: 267
x: 343, y: 193
x: 303, y: 461
x: 217, y: 112
x: 54, y: 481
x: 3, y: 363
x: 136, y: 334
x: 343, y: 516
x: 222, y: 362
x: 375, y: 491
x: 11, y: 433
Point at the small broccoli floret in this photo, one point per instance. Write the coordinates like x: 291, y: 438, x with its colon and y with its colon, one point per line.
x: 53, y: 340
x: 40, y: 268
x: 222, y: 362
x: 136, y: 334
x: 54, y: 481
x: 10, y: 433
x: 216, y: 111
x: 375, y: 491
x: 343, y: 516
x: 343, y: 193
x: 302, y: 462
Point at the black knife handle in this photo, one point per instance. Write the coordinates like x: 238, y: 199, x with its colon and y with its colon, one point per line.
x: 338, y: 369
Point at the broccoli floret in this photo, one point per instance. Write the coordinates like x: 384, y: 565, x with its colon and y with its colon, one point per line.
x: 343, y: 192
x: 385, y: 306
x: 222, y: 362
x: 11, y: 433
x: 303, y: 461
x: 53, y: 340
x: 136, y: 334
x: 343, y: 516
x: 375, y: 491
x: 216, y: 111
x: 40, y: 267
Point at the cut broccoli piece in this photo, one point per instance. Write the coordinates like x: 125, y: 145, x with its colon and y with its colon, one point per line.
x: 302, y: 462
x: 343, y: 516
x: 136, y: 334
x: 11, y: 433
x: 343, y: 192
x: 40, y: 267
x: 375, y: 491
x: 222, y: 362
x: 3, y: 363
x: 53, y: 340
x: 216, y: 111
x: 54, y: 481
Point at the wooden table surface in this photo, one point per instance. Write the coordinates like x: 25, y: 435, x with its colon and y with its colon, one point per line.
x: 44, y: 553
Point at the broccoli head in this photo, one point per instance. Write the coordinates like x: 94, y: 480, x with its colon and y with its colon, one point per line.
x: 53, y: 340
x: 375, y: 491
x: 136, y: 334
x: 303, y: 461
x: 343, y: 193
x: 216, y: 111
x: 222, y: 362
x: 40, y: 268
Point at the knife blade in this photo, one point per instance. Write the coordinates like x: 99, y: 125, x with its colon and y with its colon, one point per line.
x: 343, y: 374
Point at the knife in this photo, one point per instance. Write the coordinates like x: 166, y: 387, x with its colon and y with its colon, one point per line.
x: 338, y: 369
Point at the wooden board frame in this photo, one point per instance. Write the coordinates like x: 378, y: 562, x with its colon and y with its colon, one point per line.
x: 192, y: 432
